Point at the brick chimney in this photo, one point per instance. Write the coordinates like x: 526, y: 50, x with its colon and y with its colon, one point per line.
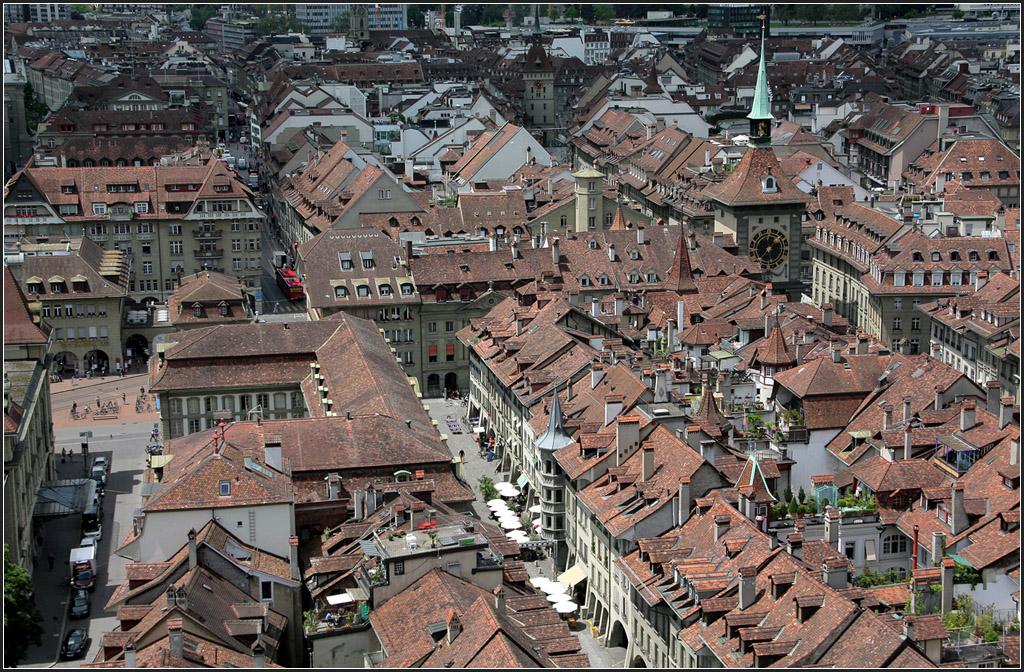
x: 722, y: 523
x: 259, y: 656
x: 992, y: 389
x: 612, y: 408
x: 887, y: 424
x: 596, y: 374
x: 272, y: 451
x: 833, y: 521
x: 948, y: 568
x: 648, y: 466
x: 555, y: 253
x: 193, y: 553
x: 684, y: 500
x: 835, y: 572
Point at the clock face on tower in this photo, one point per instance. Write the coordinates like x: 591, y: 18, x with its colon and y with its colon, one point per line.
x: 769, y: 248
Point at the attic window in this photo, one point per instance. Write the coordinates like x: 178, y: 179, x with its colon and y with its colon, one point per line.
x: 603, y: 280
x: 340, y: 292
x: 585, y: 281
x: 592, y: 244
x: 225, y: 488
x: 769, y: 185
x: 634, y: 254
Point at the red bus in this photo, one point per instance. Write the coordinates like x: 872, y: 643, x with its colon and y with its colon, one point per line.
x: 289, y: 283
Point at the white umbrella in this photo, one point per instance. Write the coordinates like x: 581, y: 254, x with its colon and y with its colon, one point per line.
x: 536, y: 522
x: 510, y: 492
x: 553, y: 588
x: 534, y: 509
x: 539, y: 581
x: 519, y: 535
x: 496, y: 502
x: 559, y: 597
x: 511, y: 525
x: 566, y: 607
x: 498, y: 508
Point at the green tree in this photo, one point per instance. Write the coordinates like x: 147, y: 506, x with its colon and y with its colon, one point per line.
x: 200, y: 15
x: 603, y: 13
x: 342, y: 23
x: 787, y: 494
x: 487, y: 489
x: 802, y: 496
x: 958, y: 13
x: 794, y: 507
x: 571, y: 13
x: 22, y: 620
x: 554, y: 13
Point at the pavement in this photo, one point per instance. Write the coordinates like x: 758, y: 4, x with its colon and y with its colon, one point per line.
x: 122, y: 443
x: 83, y: 391
x: 476, y: 468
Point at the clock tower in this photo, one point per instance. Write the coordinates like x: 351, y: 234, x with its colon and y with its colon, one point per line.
x: 759, y: 205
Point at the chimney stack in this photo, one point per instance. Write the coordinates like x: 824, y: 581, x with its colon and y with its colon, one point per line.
x: 799, y: 349
x: 833, y: 521
x: 887, y: 425
x: 259, y: 656
x: 627, y: 438
x: 1014, y: 451
x: 948, y: 568
x: 129, y: 654
x: 967, y: 414
x: 992, y: 389
x: 555, y: 253
x: 906, y: 408
x: 639, y: 233
x: 595, y: 307
x: 612, y: 408
x: 596, y: 374
x: 908, y: 443
x: 684, y: 500
x: 938, y: 398
x: 826, y: 314
x: 515, y: 249
x: 648, y: 466
x: 958, y: 523
x: 568, y: 232
x: 492, y: 243
x: 837, y: 353
x: 175, y: 642
x: 862, y: 344
x: 499, y: 600
x: 193, y: 553
x: 1005, y: 412
x: 611, y: 252
x: 835, y: 572
x: 937, y: 540
x: 748, y: 586
x: 272, y: 451
x: 722, y: 523
x: 408, y: 250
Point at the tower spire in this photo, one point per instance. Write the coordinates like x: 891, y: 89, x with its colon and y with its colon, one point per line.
x: 761, y: 110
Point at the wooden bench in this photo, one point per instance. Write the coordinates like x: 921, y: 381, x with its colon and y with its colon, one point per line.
x: 104, y: 416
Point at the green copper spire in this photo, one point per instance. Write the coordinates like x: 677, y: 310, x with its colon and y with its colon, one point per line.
x: 761, y: 111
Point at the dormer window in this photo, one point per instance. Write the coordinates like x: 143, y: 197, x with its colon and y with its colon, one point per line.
x: 346, y: 261
x: 972, y: 255
x: 634, y: 254
x: 916, y: 256
x: 384, y: 290
x: 35, y: 288
x: 197, y: 311
x: 634, y: 277
x: 362, y: 291
x: 340, y: 292
x: 936, y: 256
x: 652, y: 276
x: 769, y: 185
x: 585, y: 281
x: 993, y: 255
x: 225, y: 488
x: 367, y: 258
x: 407, y: 288
x: 223, y: 310
x: 592, y: 244
x: 603, y: 280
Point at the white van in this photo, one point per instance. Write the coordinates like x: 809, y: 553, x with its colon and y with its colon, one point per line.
x: 242, y: 165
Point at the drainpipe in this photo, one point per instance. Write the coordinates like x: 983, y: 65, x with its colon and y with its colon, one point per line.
x: 914, y: 556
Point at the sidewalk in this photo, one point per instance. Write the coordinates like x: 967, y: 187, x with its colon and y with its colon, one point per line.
x: 112, y: 388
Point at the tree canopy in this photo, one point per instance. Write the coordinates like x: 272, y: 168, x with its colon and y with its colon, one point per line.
x: 22, y: 620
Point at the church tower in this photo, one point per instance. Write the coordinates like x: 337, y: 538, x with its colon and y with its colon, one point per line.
x: 589, y: 192
x: 539, y: 93
x: 759, y: 205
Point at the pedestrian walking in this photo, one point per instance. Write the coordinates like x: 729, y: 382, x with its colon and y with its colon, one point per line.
x: 63, y: 455
x: 74, y: 407
x: 275, y: 307
x: 124, y: 398
x: 50, y: 559
x: 97, y: 401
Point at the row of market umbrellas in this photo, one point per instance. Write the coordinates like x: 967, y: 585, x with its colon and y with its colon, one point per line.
x: 556, y: 594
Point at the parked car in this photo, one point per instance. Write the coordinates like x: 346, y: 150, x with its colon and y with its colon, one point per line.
x: 87, y: 541
x: 84, y: 580
x: 99, y: 474
x: 95, y: 533
x: 76, y: 643
x: 101, y: 461
x: 80, y: 604
x: 242, y: 165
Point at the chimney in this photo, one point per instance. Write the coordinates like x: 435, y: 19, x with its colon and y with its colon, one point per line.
x: 1014, y: 451
x: 272, y: 451
x: 568, y: 232
x: 259, y: 656
x: 648, y: 472
x: 555, y: 254
x: 1005, y: 411
x: 908, y: 443
x: 596, y: 374
x: 722, y: 523
x: 906, y: 408
x: 795, y: 544
x: 992, y: 389
x: 826, y: 314
x: 938, y: 398
x: 499, y: 600
x: 519, y: 327
x: 595, y: 307
x: 967, y: 413
x: 959, y: 518
x: 948, y: 568
x: 681, y: 314
x: 492, y: 243
x: 612, y: 408
x: 619, y: 305
x: 670, y: 328
x: 515, y: 249
x: 293, y: 547
x: 408, y: 250
x: 175, y: 642
x: 799, y: 349
x: 544, y: 232
x: 333, y: 486
x: 837, y: 354
x: 833, y: 521
x: 639, y: 233
x: 764, y: 305
x: 611, y: 252
x: 719, y: 239
x: 835, y: 572
x: 888, y: 417
x: 684, y: 500
x: 193, y: 554
x: 748, y: 586
x: 937, y: 539
x: 862, y: 344
x: 627, y: 438
x: 129, y: 654
x: 661, y: 391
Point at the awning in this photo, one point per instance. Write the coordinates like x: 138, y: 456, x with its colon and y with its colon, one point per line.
x: 64, y: 497
x: 522, y: 481
x: 358, y: 594
x: 158, y: 461
x: 572, y: 576
x: 335, y: 600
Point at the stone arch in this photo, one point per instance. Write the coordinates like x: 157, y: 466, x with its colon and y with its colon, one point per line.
x: 618, y: 636
x: 433, y: 385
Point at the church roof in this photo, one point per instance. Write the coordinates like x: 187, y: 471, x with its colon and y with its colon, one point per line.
x: 555, y: 438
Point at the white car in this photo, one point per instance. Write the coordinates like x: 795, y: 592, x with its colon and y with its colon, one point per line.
x: 96, y: 535
x: 87, y: 541
x: 101, y: 462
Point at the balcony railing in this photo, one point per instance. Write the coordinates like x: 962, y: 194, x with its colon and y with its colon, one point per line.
x: 209, y: 254
x: 208, y: 235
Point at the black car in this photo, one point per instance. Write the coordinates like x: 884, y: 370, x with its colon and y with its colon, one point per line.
x: 76, y: 643
x: 80, y: 604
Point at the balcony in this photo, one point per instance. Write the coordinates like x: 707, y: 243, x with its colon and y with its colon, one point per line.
x: 208, y: 254
x: 208, y: 235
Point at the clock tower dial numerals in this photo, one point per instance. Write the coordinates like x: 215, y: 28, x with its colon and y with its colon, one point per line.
x: 769, y: 248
